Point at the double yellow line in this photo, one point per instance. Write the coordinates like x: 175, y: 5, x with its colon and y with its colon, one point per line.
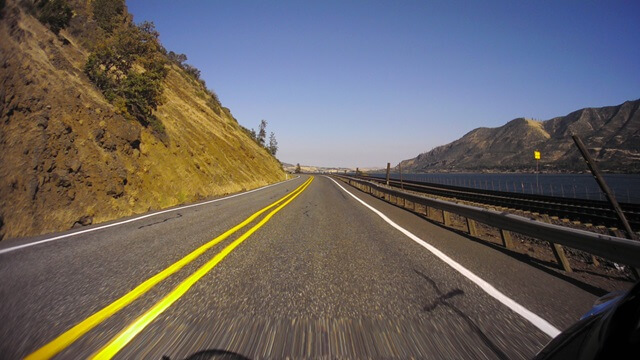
x: 126, y: 335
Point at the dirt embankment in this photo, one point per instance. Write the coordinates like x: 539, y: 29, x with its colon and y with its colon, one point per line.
x: 68, y: 159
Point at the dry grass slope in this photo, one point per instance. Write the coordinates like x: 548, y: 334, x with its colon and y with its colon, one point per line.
x: 68, y: 158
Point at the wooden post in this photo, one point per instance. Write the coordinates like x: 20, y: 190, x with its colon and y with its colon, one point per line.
x: 558, y: 250
x: 471, y: 227
x: 388, y: 169
x: 401, y: 183
x: 506, y: 239
x: 561, y: 258
x: 446, y: 218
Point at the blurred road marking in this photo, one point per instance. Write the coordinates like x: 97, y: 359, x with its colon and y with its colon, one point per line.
x: 536, y: 320
x: 71, y: 335
x: 2, y: 251
x: 127, y: 334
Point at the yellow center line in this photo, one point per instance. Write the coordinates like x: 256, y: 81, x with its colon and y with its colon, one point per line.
x: 126, y: 335
x: 68, y: 337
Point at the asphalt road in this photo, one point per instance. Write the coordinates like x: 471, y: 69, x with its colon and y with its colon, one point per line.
x: 324, y: 276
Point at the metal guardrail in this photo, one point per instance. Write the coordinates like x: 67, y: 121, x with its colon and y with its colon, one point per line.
x: 616, y: 249
x: 588, y: 211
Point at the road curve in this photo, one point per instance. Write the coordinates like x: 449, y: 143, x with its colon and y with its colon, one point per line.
x: 323, y: 276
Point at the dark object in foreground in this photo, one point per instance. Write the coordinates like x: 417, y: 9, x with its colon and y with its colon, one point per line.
x: 611, y: 330
x: 213, y: 354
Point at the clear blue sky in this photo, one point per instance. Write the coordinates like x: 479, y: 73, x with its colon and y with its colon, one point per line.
x: 363, y: 83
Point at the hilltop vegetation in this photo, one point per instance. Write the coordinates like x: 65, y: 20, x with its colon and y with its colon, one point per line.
x: 99, y: 121
x: 612, y: 133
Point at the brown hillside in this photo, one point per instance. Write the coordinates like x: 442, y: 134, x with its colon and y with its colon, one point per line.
x: 612, y: 133
x: 68, y: 158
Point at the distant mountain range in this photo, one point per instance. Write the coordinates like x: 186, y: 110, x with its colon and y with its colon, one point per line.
x: 611, y: 133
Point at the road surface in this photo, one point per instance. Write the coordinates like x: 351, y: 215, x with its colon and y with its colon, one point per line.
x: 317, y: 274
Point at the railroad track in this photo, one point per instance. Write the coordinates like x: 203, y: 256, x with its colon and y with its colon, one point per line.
x: 595, y: 212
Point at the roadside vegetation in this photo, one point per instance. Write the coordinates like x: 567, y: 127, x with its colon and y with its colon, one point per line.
x: 80, y: 116
x: 261, y: 138
x: 129, y: 64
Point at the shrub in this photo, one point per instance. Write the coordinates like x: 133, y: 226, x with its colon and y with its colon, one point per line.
x: 108, y: 13
x: 192, y: 70
x: 142, y: 94
x: 111, y: 67
x: 177, y: 58
x: 55, y: 13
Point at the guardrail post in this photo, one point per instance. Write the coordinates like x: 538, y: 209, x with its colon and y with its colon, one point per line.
x: 471, y: 227
x: 561, y: 258
x: 506, y: 239
x: 388, y: 169
x: 446, y: 218
x: 558, y: 251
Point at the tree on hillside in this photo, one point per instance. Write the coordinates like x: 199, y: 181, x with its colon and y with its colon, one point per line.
x: 177, y: 58
x: 55, y: 13
x: 273, y: 144
x: 262, y: 132
x: 297, y: 171
x: 108, y: 13
x: 134, y: 90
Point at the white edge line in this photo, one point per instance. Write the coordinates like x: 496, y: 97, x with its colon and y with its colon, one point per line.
x: 536, y: 320
x: 3, y: 251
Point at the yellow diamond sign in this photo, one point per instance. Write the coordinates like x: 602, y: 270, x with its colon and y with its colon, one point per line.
x: 536, y: 155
